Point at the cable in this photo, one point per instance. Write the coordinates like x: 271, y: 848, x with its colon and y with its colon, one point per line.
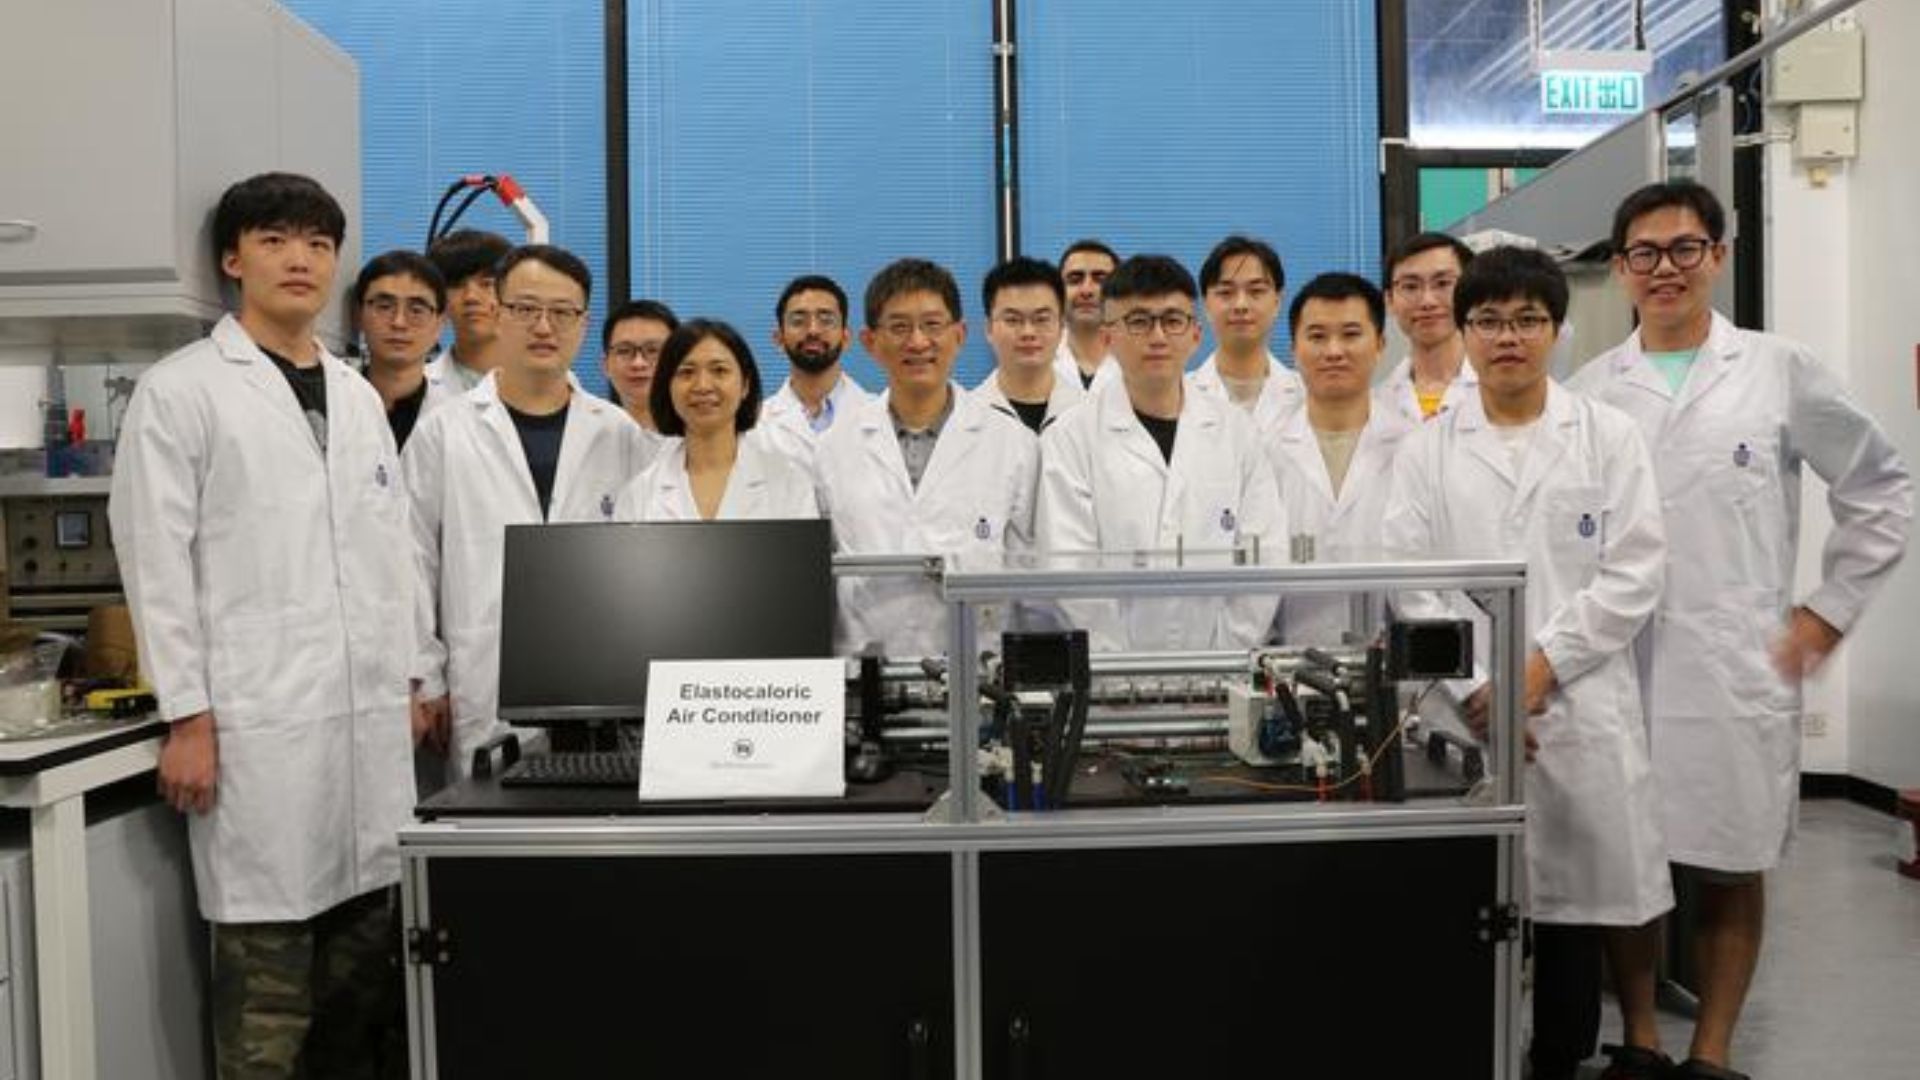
x: 1365, y: 772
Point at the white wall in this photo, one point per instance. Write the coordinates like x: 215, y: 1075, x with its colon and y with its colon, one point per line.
x: 1843, y: 266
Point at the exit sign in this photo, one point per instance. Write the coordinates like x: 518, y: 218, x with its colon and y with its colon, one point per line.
x: 1604, y: 93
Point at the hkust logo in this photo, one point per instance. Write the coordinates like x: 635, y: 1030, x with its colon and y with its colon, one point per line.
x: 742, y: 749
x: 1742, y: 455
x: 380, y: 474
x: 606, y: 506
x: 982, y: 530
x: 1587, y: 527
x: 1226, y: 520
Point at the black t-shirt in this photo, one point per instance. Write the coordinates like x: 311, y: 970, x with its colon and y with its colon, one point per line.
x: 310, y: 389
x: 405, y: 413
x: 540, y: 440
x: 1086, y: 377
x: 1031, y: 413
x: 1162, y: 431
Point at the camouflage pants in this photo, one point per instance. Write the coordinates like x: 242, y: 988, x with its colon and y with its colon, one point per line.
x: 315, y: 999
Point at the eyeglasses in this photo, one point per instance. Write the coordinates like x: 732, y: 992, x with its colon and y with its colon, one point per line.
x: 901, y: 330
x: 1018, y: 321
x: 626, y: 351
x: 800, y: 320
x: 414, y: 310
x: 1685, y: 254
x: 1527, y: 326
x: 1413, y: 288
x: 561, y: 317
x: 1141, y: 323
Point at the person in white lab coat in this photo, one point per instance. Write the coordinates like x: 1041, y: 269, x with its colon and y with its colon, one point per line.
x: 1434, y: 377
x: 1529, y: 470
x: 630, y: 342
x: 1333, y: 457
x: 398, y: 302
x: 923, y: 469
x: 1733, y: 416
x: 1243, y: 284
x: 811, y: 327
x: 707, y: 394
x: 525, y: 446
x: 260, y: 526
x: 1148, y: 464
x: 1024, y: 299
x: 468, y: 260
x: 1082, y: 356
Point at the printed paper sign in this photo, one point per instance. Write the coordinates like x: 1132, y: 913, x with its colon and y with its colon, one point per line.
x: 743, y: 729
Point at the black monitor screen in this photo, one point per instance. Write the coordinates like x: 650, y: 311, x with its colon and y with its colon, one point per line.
x: 584, y: 607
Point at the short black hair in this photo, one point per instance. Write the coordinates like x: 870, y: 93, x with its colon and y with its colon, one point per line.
x: 675, y: 352
x: 903, y: 276
x: 1339, y: 286
x: 275, y: 200
x: 1234, y: 247
x: 400, y: 262
x: 1018, y: 271
x: 810, y: 283
x: 1088, y: 243
x: 557, y: 258
x: 465, y: 252
x: 1511, y: 273
x: 637, y: 309
x: 1149, y: 275
x: 1685, y: 194
x: 1420, y: 244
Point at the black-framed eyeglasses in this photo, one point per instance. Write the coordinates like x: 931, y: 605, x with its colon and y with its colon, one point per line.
x: 626, y: 351
x: 559, y: 316
x: 1141, y: 323
x: 1528, y: 326
x: 1685, y: 253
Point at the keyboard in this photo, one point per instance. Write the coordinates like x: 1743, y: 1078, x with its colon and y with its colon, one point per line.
x: 590, y: 769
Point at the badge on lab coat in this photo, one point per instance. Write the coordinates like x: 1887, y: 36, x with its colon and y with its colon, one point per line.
x: 1742, y: 455
x: 982, y: 530
x: 1587, y: 527
x: 1226, y: 520
x: 606, y: 507
x: 380, y: 474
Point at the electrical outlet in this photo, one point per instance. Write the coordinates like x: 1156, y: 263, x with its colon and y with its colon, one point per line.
x: 1814, y: 726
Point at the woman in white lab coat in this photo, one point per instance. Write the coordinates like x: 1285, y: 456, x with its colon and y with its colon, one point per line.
x: 706, y: 390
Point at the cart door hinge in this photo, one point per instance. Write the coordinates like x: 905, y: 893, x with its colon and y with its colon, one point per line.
x: 428, y: 947
x: 1500, y: 923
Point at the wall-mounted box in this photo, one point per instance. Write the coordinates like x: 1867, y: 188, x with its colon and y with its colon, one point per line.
x: 1825, y: 65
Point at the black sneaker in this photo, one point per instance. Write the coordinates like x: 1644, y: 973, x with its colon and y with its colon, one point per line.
x: 1636, y: 1063
x: 1695, y: 1069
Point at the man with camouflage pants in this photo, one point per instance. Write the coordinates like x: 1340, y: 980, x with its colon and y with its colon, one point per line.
x: 262, y: 534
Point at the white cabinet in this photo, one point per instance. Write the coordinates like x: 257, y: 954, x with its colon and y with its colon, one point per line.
x: 122, y: 121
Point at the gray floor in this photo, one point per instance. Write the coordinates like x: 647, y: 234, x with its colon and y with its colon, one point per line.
x: 1837, y: 996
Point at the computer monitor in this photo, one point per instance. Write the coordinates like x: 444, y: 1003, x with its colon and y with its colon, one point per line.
x: 584, y: 607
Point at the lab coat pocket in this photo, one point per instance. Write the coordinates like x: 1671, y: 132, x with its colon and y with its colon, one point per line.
x: 1575, y: 520
x: 275, y: 669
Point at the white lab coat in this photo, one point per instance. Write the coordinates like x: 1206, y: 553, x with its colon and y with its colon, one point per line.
x: 1325, y: 528
x: 1066, y: 394
x: 269, y: 582
x: 455, y: 376
x: 1280, y: 395
x: 1067, y: 369
x: 468, y: 478
x: 976, y: 498
x: 1729, y: 448
x: 1104, y: 487
x: 788, y: 413
x: 765, y: 483
x: 1585, y: 515
x: 1395, y: 392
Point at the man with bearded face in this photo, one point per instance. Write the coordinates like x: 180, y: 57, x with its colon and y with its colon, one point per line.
x: 810, y: 326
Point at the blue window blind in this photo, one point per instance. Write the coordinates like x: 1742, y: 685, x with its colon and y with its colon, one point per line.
x: 772, y: 139
x: 466, y: 86
x: 1166, y: 127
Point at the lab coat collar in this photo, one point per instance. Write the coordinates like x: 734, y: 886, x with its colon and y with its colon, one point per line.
x: 876, y: 429
x: 746, y: 481
x: 1550, y: 438
x: 236, y: 346
x: 1715, y: 359
x: 1383, y: 431
x: 583, y: 410
x: 1201, y: 417
x: 1065, y: 395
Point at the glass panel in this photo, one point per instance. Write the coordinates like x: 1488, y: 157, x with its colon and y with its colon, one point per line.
x: 1472, y: 81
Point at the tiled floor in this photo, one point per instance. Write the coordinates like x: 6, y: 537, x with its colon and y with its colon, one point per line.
x: 1837, y: 996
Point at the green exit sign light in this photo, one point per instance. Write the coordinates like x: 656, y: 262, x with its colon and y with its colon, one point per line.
x: 1589, y: 93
